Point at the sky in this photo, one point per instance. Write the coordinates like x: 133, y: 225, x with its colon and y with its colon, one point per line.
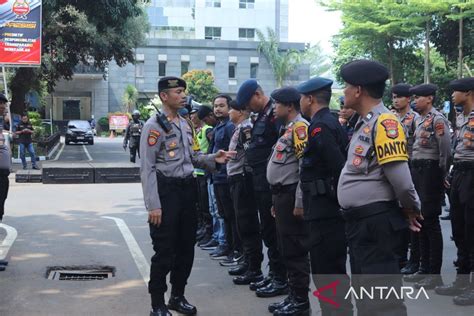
x: 309, y: 22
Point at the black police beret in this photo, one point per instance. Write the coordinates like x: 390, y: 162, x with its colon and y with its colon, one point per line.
x: 314, y: 84
x: 402, y: 89
x: 364, y: 72
x: 464, y: 84
x: 204, y: 111
x: 246, y: 91
x: 3, y: 98
x: 170, y: 82
x: 423, y: 90
x: 286, y: 95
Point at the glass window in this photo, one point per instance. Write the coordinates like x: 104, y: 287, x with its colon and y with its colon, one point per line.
x: 232, y: 71
x: 210, y: 67
x: 184, y: 67
x: 253, y: 71
x: 246, y: 4
x: 162, y: 69
x: 213, y: 33
x: 213, y: 3
x: 246, y: 34
x: 140, y: 69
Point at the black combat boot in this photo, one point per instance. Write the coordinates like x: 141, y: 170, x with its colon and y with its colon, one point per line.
x: 275, y: 288
x: 256, y: 285
x: 298, y: 306
x: 181, y: 305
x: 248, y: 277
x: 458, y: 287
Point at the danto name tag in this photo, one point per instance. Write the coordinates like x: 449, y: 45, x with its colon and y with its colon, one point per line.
x: 390, y: 142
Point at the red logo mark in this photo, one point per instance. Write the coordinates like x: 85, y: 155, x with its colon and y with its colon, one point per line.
x: 332, y: 286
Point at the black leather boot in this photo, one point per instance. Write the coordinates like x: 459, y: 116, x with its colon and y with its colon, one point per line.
x: 181, y: 305
x: 248, y: 277
x: 296, y: 307
x: 458, y: 287
x: 275, y: 288
x: 256, y: 285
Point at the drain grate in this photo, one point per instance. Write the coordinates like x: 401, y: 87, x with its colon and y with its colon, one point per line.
x: 80, y: 273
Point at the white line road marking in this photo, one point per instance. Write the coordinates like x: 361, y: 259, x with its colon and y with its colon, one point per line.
x: 8, y: 241
x: 60, y: 152
x: 87, y: 153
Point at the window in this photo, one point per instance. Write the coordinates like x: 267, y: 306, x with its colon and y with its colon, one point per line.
x: 246, y: 4
x: 162, y: 69
x: 253, y: 71
x: 213, y: 3
x: 213, y: 33
x: 184, y: 67
x: 246, y: 34
x: 140, y: 69
x: 210, y: 67
x: 232, y: 69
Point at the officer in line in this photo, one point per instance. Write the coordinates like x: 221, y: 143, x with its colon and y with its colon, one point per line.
x: 283, y: 176
x: 322, y: 162
x: 401, y: 98
x: 374, y: 183
x: 169, y: 151
x: 430, y: 163
x: 461, y: 197
x: 264, y: 136
x: 132, y: 136
x: 242, y: 193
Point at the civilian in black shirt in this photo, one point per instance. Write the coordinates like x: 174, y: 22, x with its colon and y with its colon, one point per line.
x: 24, y: 130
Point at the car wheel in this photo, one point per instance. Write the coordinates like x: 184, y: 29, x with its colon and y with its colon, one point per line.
x: 91, y: 142
x: 67, y: 142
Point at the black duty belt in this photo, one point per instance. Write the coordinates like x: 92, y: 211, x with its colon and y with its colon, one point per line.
x: 463, y: 165
x: 425, y: 163
x: 237, y: 177
x: 355, y: 213
x: 176, y: 181
x: 279, y: 188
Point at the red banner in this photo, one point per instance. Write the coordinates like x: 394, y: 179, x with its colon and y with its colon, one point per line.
x: 118, y: 122
x: 20, y: 32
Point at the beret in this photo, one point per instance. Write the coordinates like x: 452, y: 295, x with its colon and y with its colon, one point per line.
x: 246, y: 91
x: 234, y: 105
x: 464, y: 84
x: 402, y: 90
x: 364, y: 72
x: 204, y: 111
x: 314, y: 84
x: 424, y: 90
x: 3, y: 98
x: 286, y: 95
x: 170, y: 82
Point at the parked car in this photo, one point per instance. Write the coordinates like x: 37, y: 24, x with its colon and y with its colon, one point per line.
x: 79, y: 131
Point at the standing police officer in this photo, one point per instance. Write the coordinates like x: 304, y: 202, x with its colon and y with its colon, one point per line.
x: 283, y: 176
x: 462, y: 197
x: 375, y: 179
x: 169, y: 150
x: 430, y: 163
x: 322, y: 162
x: 132, y: 134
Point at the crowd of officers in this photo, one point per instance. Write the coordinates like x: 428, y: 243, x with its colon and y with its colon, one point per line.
x: 313, y: 188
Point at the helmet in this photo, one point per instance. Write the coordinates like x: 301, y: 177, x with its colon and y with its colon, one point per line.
x: 136, y: 113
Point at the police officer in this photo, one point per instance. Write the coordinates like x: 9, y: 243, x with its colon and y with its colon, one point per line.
x: 264, y: 136
x: 430, y: 162
x: 374, y: 182
x: 322, y: 162
x: 283, y: 176
x: 169, y: 150
x: 241, y: 189
x: 132, y: 136
x: 461, y: 197
x: 401, y: 98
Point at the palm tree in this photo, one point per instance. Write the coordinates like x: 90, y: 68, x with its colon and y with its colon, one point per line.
x: 283, y: 62
x: 130, y: 98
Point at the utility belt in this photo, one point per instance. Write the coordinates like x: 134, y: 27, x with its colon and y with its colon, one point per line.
x: 279, y: 188
x: 238, y: 177
x: 425, y: 163
x: 320, y: 187
x: 176, y: 181
x: 463, y: 165
x: 355, y: 213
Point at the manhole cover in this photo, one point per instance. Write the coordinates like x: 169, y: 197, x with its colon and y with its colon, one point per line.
x: 80, y: 273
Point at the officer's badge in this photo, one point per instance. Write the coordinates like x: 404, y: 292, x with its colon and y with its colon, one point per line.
x: 359, y: 150
x: 301, y: 132
x: 439, y: 128
x: 279, y: 147
x: 391, y: 128
x: 172, y: 154
x: 316, y: 131
x: 357, y: 161
x: 173, y: 144
x: 366, y: 129
x: 279, y: 156
x: 172, y: 83
x: 153, y: 137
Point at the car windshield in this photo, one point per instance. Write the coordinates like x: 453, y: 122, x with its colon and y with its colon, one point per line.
x: 79, y: 124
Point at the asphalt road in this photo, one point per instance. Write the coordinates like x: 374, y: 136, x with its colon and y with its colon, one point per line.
x: 62, y: 225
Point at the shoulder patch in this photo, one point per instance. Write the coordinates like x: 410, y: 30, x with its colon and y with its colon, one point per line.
x: 153, y: 137
x: 439, y: 128
x: 316, y: 131
x: 300, y: 138
x: 390, y: 141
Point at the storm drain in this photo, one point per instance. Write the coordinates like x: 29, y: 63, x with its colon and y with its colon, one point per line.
x: 80, y: 273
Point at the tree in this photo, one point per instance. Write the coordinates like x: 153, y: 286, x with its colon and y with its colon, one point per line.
x: 318, y: 62
x: 283, y: 62
x: 82, y: 32
x: 130, y: 98
x: 200, y: 84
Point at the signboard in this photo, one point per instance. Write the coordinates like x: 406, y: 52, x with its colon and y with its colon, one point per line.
x: 118, y: 122
x: 20, y: 32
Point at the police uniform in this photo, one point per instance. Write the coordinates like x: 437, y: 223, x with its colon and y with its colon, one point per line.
x: 373, y: 183
x: 5, y: 165
x: 322, y: 162
x: 132, y: 136
x: 283, y: 177
x: 246, y: 211
x: 264, y: 136
x: 462, y: 203
x: 168, y: 156
x: 430, y: 162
